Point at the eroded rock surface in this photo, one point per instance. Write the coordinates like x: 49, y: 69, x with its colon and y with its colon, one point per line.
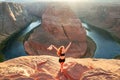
x: 48, y: 68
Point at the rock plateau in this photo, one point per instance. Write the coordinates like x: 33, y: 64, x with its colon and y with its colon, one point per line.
x: 48, y: 68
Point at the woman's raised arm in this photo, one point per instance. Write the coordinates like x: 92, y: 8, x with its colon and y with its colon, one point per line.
x: 67, y: 47
x: 51, y: 47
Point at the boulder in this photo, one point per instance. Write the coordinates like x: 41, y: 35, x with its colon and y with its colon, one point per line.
x: 59, y: 27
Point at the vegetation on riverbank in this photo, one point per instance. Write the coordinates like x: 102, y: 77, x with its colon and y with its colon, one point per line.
x: 117, y: 57
x: 1, y: 57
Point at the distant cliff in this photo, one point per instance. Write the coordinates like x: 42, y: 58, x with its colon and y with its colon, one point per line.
x: 48, y: 68
x: 102, y: 15
x: 13, y: 17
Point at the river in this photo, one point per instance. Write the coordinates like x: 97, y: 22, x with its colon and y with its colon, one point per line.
x: 107, y: 47
x: 15, y: 48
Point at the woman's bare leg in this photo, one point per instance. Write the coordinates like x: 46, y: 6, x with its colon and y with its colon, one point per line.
x: 61, y: 68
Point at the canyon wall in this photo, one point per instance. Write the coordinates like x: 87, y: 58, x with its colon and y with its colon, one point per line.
x: 13, y: 17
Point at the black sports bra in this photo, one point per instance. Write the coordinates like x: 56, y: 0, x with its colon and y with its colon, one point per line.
x: 63, y: 54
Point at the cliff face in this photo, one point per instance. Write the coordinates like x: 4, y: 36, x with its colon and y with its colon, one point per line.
x: 59, y: 27
x: 105, y: 16
x: 48, y: 68
x: 13, y: 17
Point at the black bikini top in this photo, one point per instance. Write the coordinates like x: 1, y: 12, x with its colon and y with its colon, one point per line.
x: 63, y: 54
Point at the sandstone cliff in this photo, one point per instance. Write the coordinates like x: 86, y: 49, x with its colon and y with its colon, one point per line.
x: 102, y: 15
x: 13, y: 17
x: 48, y: 68
x: 59, y: 27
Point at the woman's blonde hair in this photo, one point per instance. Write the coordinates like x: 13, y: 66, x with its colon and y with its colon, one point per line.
x: 59, y: 51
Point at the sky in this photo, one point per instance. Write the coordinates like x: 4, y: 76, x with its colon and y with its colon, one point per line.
x: 45, y: 0
x: 65, y: 0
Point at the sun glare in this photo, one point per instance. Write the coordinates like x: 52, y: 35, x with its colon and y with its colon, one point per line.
x: 65, y: 0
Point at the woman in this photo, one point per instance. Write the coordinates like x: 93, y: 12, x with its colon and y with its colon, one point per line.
x: 61, y: 53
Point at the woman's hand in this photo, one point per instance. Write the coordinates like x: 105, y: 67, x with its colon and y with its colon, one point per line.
x: 50, y: 47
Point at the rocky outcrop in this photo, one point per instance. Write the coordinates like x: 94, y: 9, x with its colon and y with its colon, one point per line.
x: 102, y: 15
x: 48, y: 68
x: 59, y: 27
x: 13, y: 17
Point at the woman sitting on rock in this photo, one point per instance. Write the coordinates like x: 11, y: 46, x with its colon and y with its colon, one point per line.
x: 61, y: 53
